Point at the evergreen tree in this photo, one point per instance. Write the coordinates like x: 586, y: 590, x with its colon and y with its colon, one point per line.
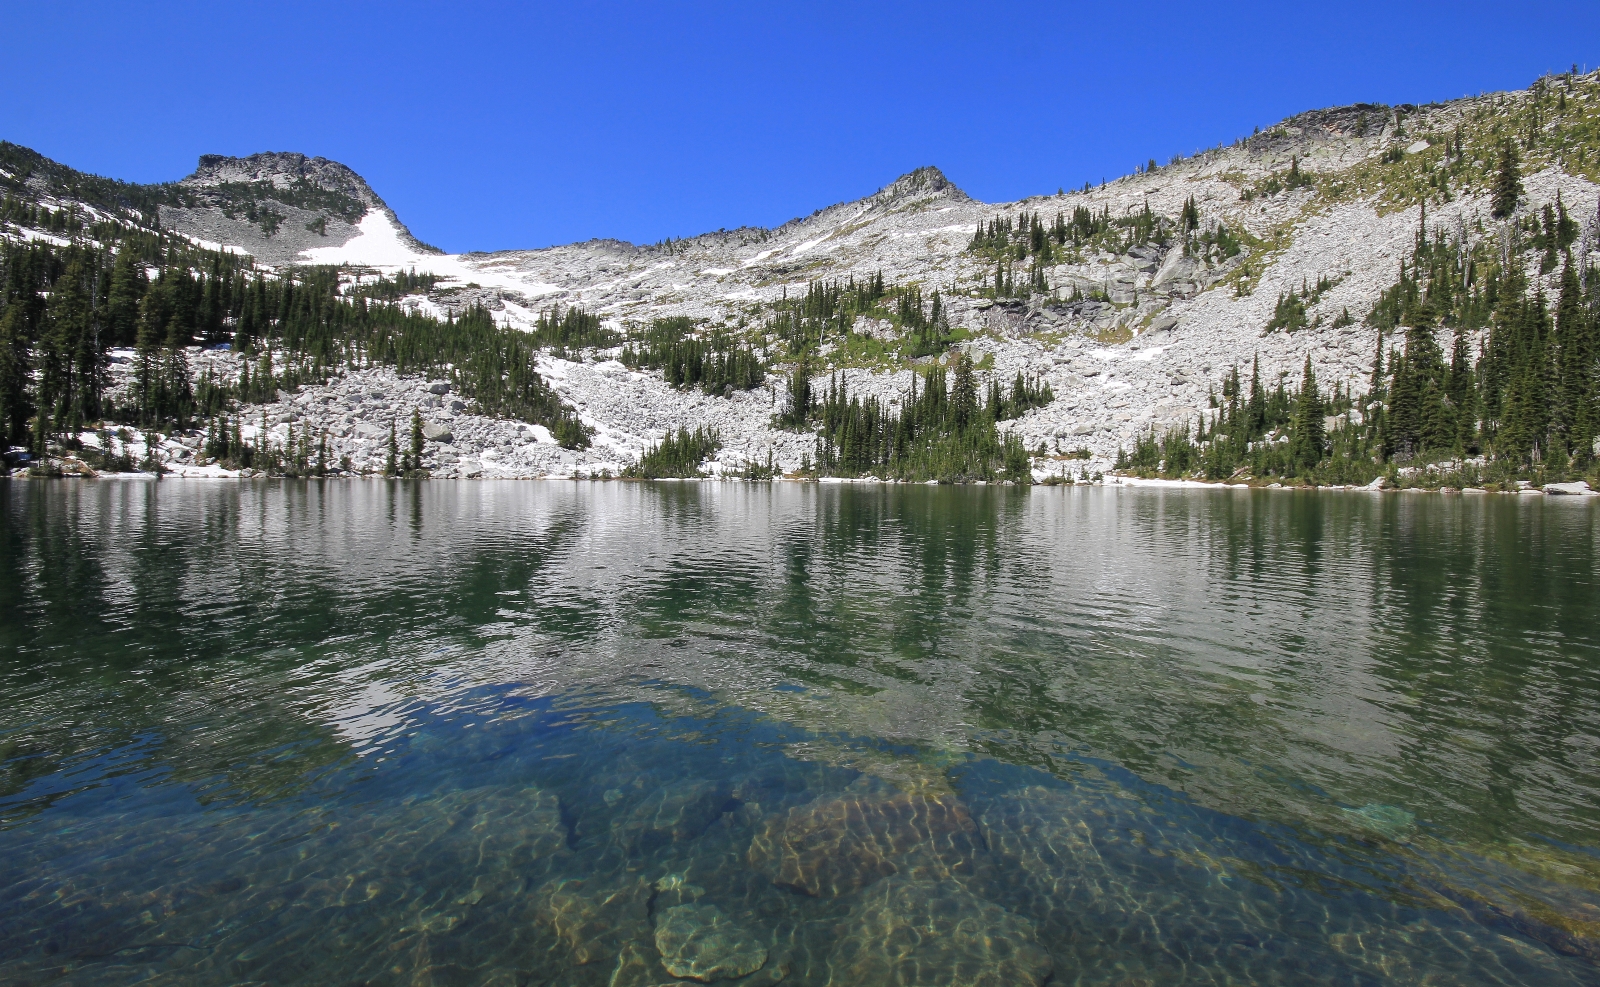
x: 128, y: 285
x: 1507, y: 183
x: 677, y: 455
x: 1575, y: 351
x: 1256, y: 405
x: 416, y: 439
x: 390, y: 465
x: 177, y: 387
x: 799, y: 411
x: 1461, y: 393
x: 1307, y: 436
x: 147, y: 373
x: 1526, y: 414
x: 1403, y: 424
x: 1375, y: 385
x: 15, y: 406
x: 53, y: 354
x: 1189, y: 219
x: 964, y: 395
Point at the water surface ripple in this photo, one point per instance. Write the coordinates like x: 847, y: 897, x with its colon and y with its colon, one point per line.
x: 634, y: 734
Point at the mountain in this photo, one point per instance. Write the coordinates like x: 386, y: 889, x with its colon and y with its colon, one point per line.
x: 1133, y: 301
x: 273, y: 206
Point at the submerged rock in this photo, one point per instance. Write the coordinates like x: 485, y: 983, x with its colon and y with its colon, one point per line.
x: 1388, y: 821
x: 434, y: 856
x: 699, y: 942
x: 935, y: 934
x: 594, y: 919
x: 1044, y: 835
x: 1114, y: 886
x: 833, y: 846
x: 638, y: 965
x: 672, y: 814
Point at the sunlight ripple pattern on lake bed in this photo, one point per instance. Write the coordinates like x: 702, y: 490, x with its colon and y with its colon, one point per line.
x: 632, y: 734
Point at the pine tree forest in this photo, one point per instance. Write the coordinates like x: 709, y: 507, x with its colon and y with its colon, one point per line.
x: 942, y: 431
x: 1515, y: 394
x: 64, y: 309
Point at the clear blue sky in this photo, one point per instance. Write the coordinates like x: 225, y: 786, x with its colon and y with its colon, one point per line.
x: 518, y: 125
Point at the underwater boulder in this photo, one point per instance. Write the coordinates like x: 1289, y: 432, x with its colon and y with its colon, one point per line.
x: 935, y: 934
x: 1043, y: 835
x: 833, y: 846
x: 595, y: 919
x: 671, y: 814
x: 700, y: 942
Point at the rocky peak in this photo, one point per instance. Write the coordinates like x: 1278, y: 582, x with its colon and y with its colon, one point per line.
x: 282, y: 169
x: 924, y: 183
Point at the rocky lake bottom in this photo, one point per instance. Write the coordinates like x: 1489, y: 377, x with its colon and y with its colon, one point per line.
x: 569, y: 734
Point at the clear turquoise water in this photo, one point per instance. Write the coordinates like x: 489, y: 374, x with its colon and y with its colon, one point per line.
x: 622, y: 734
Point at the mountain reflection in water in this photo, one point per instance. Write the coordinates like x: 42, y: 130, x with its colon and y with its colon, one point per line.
x: 630, y: 734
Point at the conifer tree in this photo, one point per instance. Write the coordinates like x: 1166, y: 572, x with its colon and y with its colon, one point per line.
x: 416, y: 439
x: 799, y: 411
x: 1190, y: 217
x: 1375, y: 385
x: 1462, y: 393
x: 1403, y: 424
x: 390, y: 464
x: 1526, y: 409
x: 1507, y: 183
x: 1307, y: 434
x: 14, y: 402
x: 177, y: 387
x: 128, y: 285
x: 1576, y: 358
x: 52, y: 360
x: 1256, y: 405
x: 147, y: 373
x: 964, y: 393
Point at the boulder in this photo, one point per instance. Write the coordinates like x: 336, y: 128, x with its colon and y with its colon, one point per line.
x: 935, y: 934
x: 435, y: 432
x: 1577, y: 488
x: 429, y: 860
x: 671, y: 814
x: 833, y: 846
x: 595, y: 919
x: 699, y: 942
x: 1176, y: 267
x: 439, y: 387
x: 637, y: 966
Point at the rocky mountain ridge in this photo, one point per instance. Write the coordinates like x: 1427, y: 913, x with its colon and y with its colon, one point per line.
x: 275, y: 205
x: 1132, y: 335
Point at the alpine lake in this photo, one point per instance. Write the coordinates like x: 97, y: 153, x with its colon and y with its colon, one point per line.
x: 627, y: 734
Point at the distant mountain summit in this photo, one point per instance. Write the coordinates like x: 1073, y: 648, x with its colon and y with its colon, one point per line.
x: 283, y: 170
x: 925, y: 182
x: 274, y: 205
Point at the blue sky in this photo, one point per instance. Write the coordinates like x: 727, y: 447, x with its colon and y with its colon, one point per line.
x: 489, y: 126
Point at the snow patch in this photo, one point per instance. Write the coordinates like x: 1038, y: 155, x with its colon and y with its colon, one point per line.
x: 379, y: 244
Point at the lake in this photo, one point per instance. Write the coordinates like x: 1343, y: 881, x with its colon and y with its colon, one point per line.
x: 625, y: 734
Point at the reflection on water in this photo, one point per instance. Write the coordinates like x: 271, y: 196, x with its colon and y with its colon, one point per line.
x: 563, y: 733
